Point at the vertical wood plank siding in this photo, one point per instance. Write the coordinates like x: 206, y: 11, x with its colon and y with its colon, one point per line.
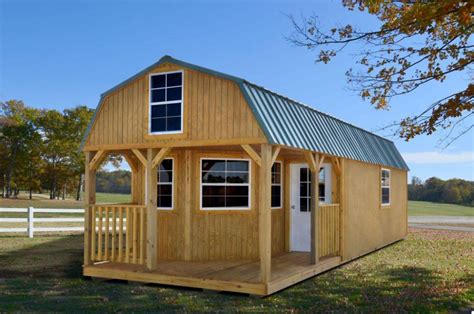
x: 214, y: 108
x: 214, y: 235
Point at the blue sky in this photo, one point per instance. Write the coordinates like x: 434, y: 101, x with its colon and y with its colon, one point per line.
x: 59, y: 54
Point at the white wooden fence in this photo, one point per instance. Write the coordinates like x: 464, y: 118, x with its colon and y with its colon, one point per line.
x: 31, y: 220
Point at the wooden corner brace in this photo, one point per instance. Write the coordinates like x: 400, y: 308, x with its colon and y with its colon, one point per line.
x: 97, y: 159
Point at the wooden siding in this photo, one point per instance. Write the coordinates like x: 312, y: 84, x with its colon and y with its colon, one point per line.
x: 213, y: 234
x: 214, y: 109
x: 367, y: 224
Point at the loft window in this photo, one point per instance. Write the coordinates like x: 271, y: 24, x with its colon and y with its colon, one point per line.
x: 276, y: 185
x: 385, y: 184
x: 165, y: 184
x: 225, y: 184
x: 166, y: 102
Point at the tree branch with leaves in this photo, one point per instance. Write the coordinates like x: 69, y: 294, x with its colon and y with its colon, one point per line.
x: 418, y: 43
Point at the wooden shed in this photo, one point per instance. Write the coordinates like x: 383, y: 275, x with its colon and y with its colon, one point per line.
x: 234, y: 187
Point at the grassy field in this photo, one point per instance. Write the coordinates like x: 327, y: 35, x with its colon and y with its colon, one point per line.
x: 430, y: 271
x: 43, y: 201
x: 416, y: 208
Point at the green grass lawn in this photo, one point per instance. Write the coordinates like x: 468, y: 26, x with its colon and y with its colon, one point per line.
x: 429, y: 271
x: 416, y: 208
x: 42, y: 201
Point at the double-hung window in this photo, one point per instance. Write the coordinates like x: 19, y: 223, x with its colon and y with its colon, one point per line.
x: 166, y: 102
x: 165, y: 184
x: 276, y: 185
x: 225, y: 184
x: 385, y: 185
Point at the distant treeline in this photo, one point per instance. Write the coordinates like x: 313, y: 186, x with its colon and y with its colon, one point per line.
x: 114, y: 181
x: 452, y: 191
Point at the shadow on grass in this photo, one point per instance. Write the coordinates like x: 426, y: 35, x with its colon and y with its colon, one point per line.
x: 47, y: 276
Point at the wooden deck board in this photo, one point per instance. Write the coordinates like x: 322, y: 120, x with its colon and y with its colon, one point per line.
x: 235, y: 276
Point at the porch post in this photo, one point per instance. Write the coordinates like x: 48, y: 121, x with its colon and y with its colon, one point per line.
x: 151, y: 203
x: 314, y: 164
x: 265, y: 214
x: 89, y: 199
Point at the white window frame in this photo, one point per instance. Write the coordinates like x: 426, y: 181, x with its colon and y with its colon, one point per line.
x: 389, y: 187
x: 280, y: 184
x: 165, y: 102
x: 167, y: 183
x: 201, y: 184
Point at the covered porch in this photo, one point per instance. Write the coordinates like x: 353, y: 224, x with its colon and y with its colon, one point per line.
x: 124, y: 241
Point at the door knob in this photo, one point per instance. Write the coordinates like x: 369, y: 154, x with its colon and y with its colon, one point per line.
x: 293, y: 206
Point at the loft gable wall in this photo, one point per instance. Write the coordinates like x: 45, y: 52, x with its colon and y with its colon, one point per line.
x: 214, y: 109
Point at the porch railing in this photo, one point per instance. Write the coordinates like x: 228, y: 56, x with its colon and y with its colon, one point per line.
x: 329, y: 229
x: 118, y: 233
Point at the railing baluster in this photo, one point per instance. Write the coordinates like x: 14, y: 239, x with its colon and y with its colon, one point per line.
x: 106, y: 234
x: 114, y: 231
x: 99, y: 235
x: 93, y: 234
x: 120, y: 234
x: 142, y: 232
x: 127, y: 236
x: 134, y: 230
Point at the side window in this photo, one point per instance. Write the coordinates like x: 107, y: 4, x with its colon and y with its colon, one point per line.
x: 166, y: 103
x: 165, y: 184
x: 276, y: 185
x: 385, y: 185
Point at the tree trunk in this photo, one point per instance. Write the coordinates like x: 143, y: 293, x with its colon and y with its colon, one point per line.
x: 79, y: 188
x: 9, y: 173
x: 31, y: 176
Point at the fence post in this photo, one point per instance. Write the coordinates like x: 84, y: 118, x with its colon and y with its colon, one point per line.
x: 30, y: 221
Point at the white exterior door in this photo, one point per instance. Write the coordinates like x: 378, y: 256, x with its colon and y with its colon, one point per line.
x: 300, y: 211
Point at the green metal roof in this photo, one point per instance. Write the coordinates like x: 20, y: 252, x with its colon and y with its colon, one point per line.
x: 288, y: 122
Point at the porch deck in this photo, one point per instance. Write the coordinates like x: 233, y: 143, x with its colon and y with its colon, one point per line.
x: 237, y: 276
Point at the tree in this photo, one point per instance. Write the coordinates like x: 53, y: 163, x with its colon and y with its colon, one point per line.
x: 18, y: 137
x: 418, y: 43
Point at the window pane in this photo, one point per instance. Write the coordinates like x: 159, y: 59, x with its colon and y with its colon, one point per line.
x: 174, y: 79
x: 322, y: 192
x: 237, y: 190
x: 165, y: 176
x: 157, y: 95
x: 214, y: 165
x: 303, y: 174
x: 173, y: 124
x: 213, y: 201
x: 158, y: 125
x: 276, y: 167
x: 322, y: 175
x: 165, y: 201
x: 276, y: 196
x: 158, y: 111
x: 236, y: 201
x: 237, y: 177
x: 158, y: 81
x: 167, y: 164
x: 165, y: 189
x: 208, y: 190
x: 173, y: 109
x: 304, y: 189
x: 276, y: 178
x: 303, y: 204
x: 213, y: 177
x: 385, y: 195
x: 173, y: 93
x: 234, y: 165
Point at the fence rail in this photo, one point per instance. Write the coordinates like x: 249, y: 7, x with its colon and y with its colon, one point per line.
x: 31, y: 220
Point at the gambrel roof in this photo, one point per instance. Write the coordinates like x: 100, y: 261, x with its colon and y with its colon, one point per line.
x: 290, y: 123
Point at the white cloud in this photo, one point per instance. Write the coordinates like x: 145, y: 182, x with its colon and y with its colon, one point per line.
x: 438, y: 158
